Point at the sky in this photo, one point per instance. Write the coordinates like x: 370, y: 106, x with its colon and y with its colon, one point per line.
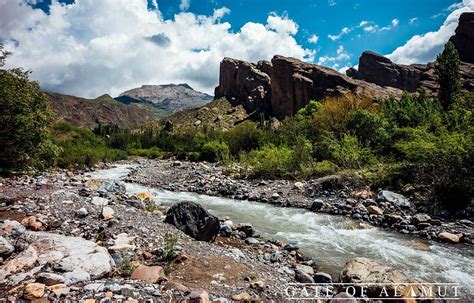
x: 91, y: 47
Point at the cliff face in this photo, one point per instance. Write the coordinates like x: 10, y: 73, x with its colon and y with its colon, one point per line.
x: 244, y: 83
x: 463, y: 39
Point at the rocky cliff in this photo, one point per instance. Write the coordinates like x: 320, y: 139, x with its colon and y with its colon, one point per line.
x: 379, y: 70
x: 88, y: 113
x: 244, y: 83
x: 170, y: 98
x: 284, y: 85
x: 464, y: 37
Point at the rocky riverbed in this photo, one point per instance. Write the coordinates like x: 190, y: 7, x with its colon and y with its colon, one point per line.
x: 330, y: 195
x: 70, y: 235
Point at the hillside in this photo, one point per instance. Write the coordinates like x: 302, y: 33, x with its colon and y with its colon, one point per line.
x: 170, y: 98
x: 88, y: 113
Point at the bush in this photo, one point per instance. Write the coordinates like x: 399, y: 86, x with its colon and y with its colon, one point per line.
x: 347, y: 152
x: 370, y: 129
x: 214, y: 151
x: 244, y: 137
x: 269, y: 161
x: 25, y: 119
x: 324, y: 168
x: 150, y: 153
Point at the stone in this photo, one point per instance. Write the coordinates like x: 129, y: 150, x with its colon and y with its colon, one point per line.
x: 70, y: 253
x: 393, y: 198
x: 149, y: 274
x: 242, y: 297
x: 363, y: 270
x: 198, y: 296
x: 107, y: 213
x: 322, y: 277
x: 59, y: 290
x: 99, y: 201
x: 257, y: 285
x: 374, y: 210
x: 244, y: 83
x: 192, y: 219
x: 246, y: 228
x: 50, y: 278
x: 5, y: 247
x: 33, y: 291
x: 303, y: 277
x: 112, y: 186
x: 463, y: 39
x: 122, y: 243
x: 317, y: 205
x: 420, y: 218
x: 25, y: 260
x: 176, y: 286
x: 298, y: 185
x: 343, y: 297
x: 225, y: 231
x: 292, y: 245
x: 82, y: 212
x: 251, y: 241
x: 448, y: 237
x: 76, y: 276
x: 12, y: 227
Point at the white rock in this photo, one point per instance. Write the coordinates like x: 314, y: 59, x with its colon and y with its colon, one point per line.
x: 76, y: 276
x: 5, y: 247
x: 99, y: 201
x: 122, y: 243
x: 107, y: 213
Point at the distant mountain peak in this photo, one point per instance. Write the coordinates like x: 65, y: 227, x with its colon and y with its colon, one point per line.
x: 169, y: 97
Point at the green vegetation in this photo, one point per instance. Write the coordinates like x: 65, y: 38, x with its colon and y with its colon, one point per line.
x: 449, y: 77
x: 24, y: 122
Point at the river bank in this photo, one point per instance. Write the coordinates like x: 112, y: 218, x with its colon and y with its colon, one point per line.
x: 327, y: 195
x: 82, y: 235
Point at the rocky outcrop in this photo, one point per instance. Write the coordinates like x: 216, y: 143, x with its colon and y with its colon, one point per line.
x: 244, y: 83
x: 463, y: 40
x: 193, y: 220
x: 380, y: 70
x: 295, y: 82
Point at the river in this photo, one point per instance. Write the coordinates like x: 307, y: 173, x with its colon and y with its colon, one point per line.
x: 329, y: 239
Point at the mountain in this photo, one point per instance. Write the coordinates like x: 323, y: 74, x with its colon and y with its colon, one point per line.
x: 81, y: 112
x: 170, y: 98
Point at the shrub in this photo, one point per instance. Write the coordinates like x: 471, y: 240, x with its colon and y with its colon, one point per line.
x: 243, y: 137
x: 347, y: 152
x: 269, y: 161
x: 370, y: 129
x: 25, y: 119
x: 324, y: 168
x: 150, y: 153
x: 448, y: 75
x: 214, y: 151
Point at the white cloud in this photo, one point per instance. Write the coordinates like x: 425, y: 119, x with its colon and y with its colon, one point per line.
x: 332, y: 2
x: 313, y: 39
x: 343, y: 32
x: 413, y: 20
x: 395, y: 22
x: 341, y: 55
x: 363, y: 23
x: 370, y: 28
x: 94, y: 47
x: 282, y: 24
x: 184, y: 5
x: 424, y: 48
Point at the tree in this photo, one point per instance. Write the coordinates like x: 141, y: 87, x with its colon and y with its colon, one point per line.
x: 448, y: 75
x: 24, y: 121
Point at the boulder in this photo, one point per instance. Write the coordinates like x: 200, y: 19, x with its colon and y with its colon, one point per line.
x: 5, y: 247
x: 244, y: 83
x: 374, y: 210
x: 363, y: 270
x: 149, y: 274
x: 33, y: 291
x: 107, y: 213
x: 246, y: 228
x: 448, y: 237
x: 303, y: 277
x: 393, y: 198
x: 49, y: 278
x: 25, y: 260
x: 113, y: 186
x: 420, y: 218
x: 322, y: 277
x: 193, y: 220
x: 463, y: 39
x: 198, y: 296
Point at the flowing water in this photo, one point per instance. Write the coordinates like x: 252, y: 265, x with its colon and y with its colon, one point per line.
x: 330, y: 240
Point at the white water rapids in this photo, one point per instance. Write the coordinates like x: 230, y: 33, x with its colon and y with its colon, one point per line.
x: 328, y: 239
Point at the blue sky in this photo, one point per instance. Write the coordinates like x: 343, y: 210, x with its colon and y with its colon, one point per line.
x: 91, y: 47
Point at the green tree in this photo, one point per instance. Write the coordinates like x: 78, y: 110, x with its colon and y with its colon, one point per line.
x: 448, y: 76
x: 24, y: 121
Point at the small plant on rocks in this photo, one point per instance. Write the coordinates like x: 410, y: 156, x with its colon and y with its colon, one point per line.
x: 169, y: 242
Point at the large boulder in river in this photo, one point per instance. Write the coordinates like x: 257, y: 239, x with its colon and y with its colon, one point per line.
x: 193, y: 220
x: 393, y: 198
x: 363, y: 270
x: 463, y: 40
x: 244, y: 83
